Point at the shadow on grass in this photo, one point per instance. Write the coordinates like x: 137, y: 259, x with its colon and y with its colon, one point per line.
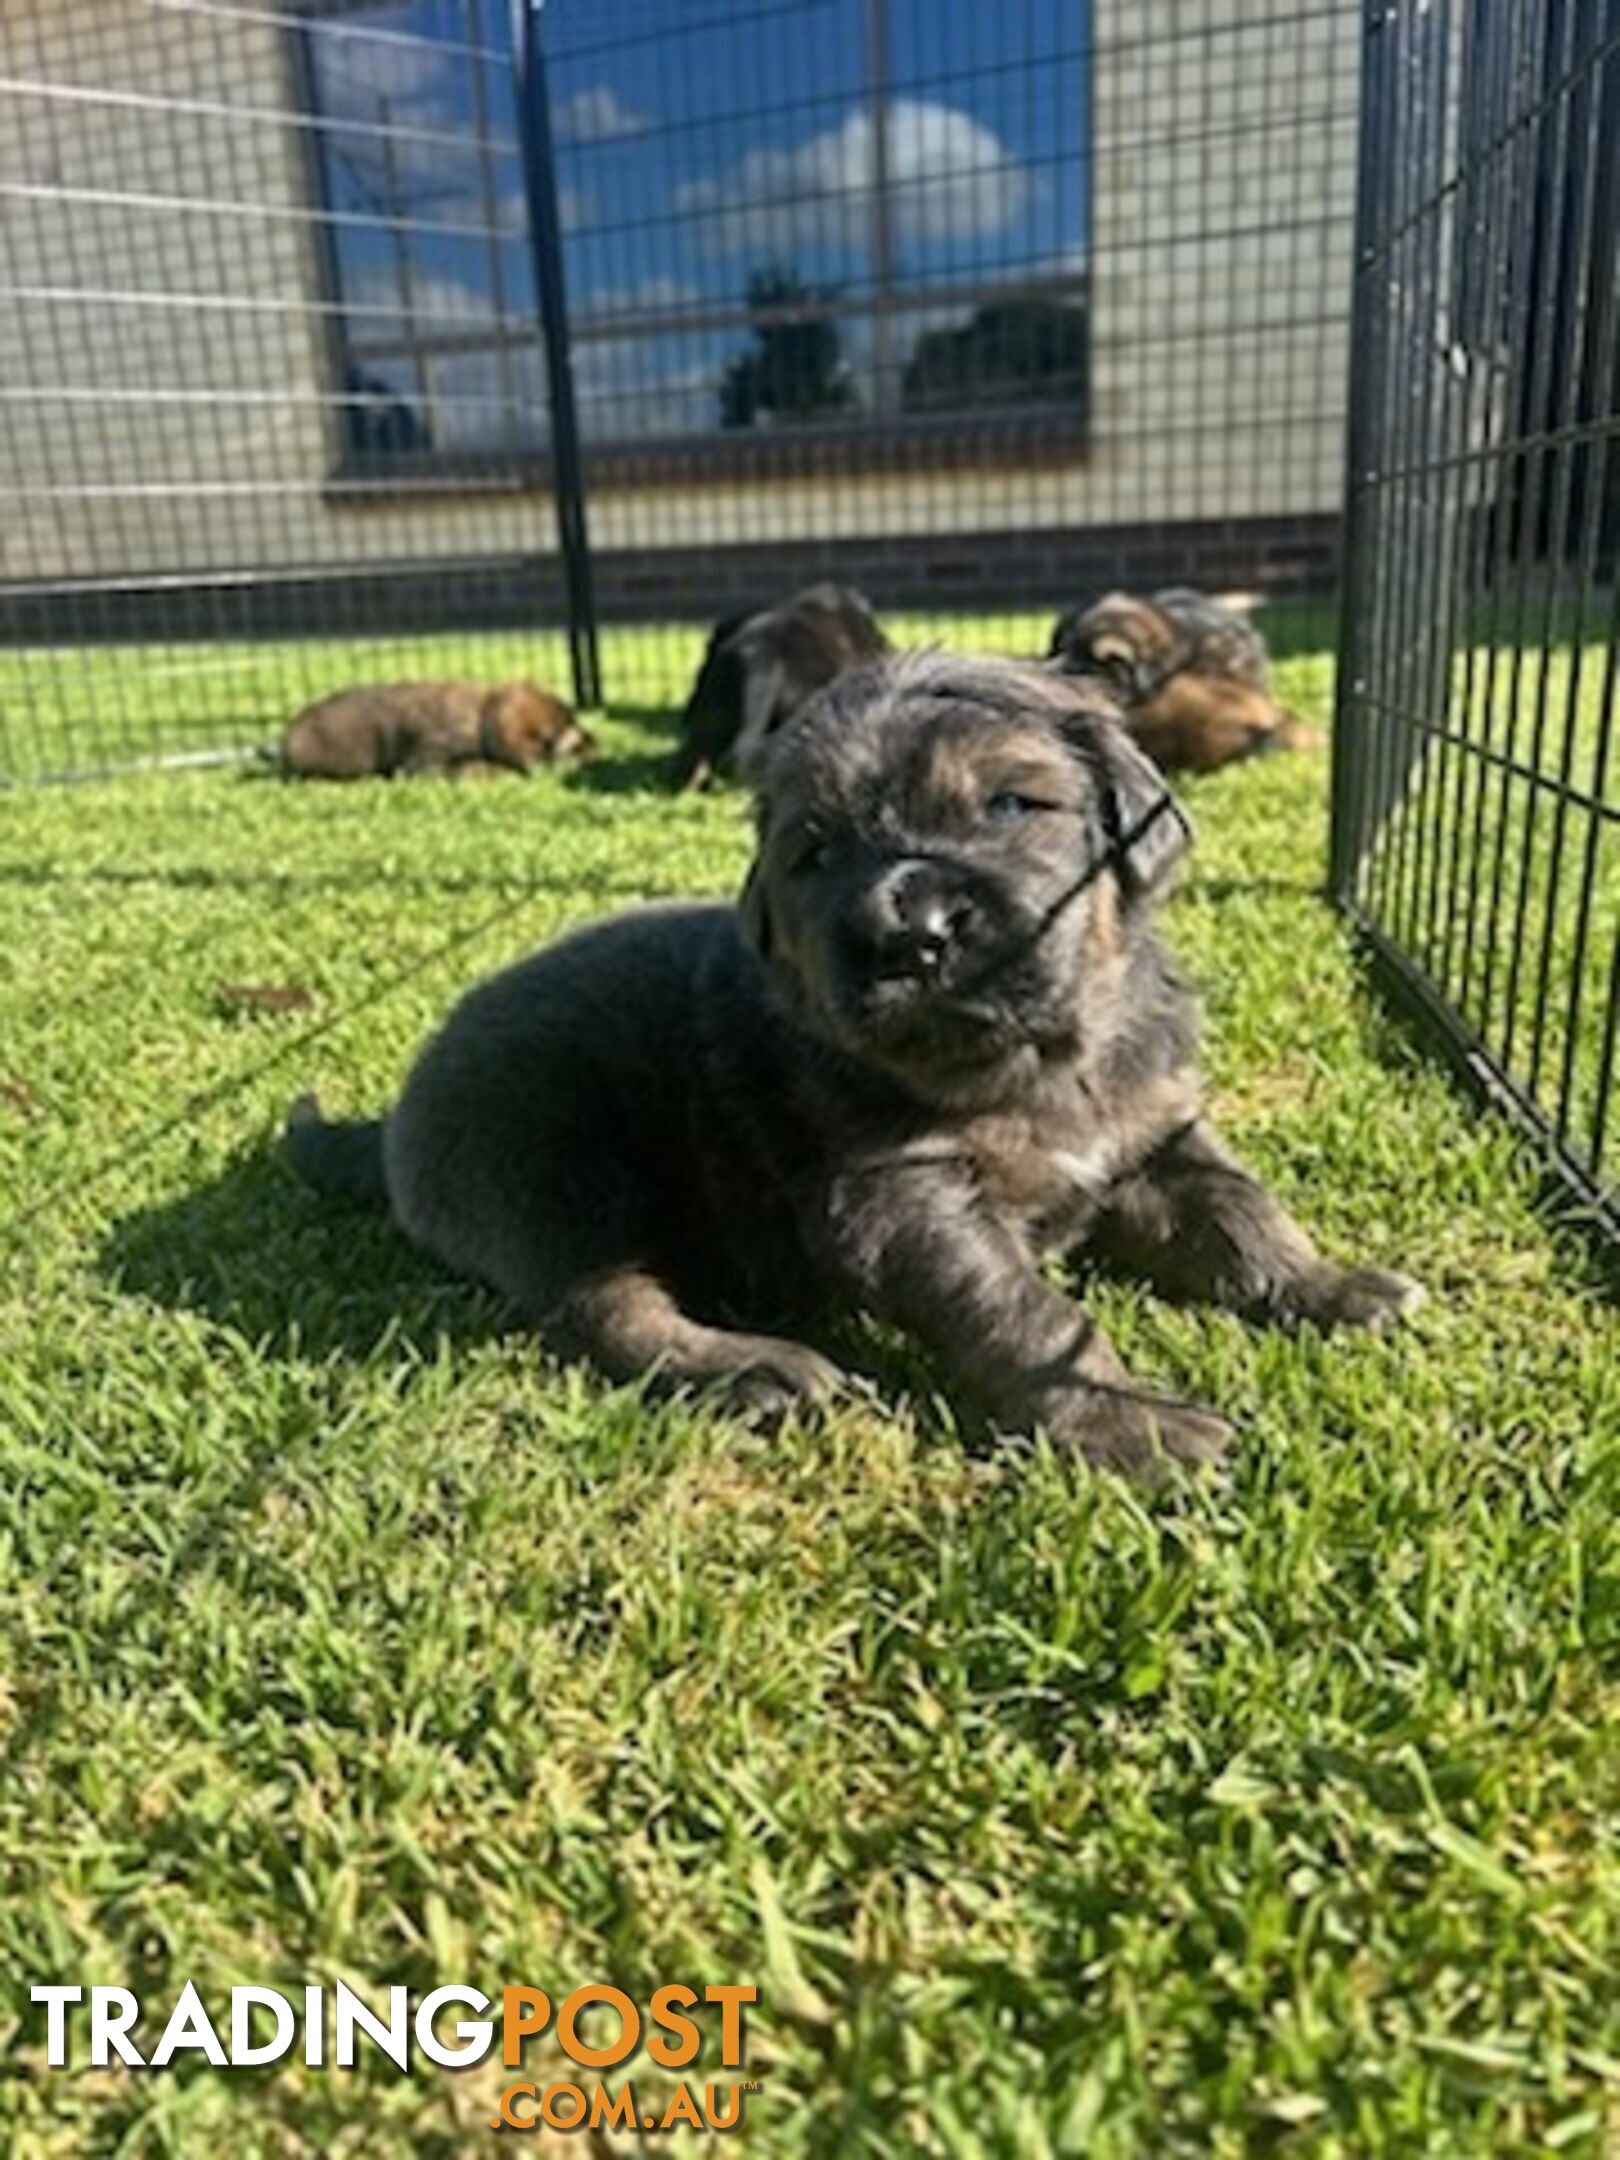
x: 639, y: 771
x: 209, y: 877
x: 1300, y: 629
x: 293, y: 1272
x: 1250, y: 888
x: 298, y: 1274
x: 1407, y: 1029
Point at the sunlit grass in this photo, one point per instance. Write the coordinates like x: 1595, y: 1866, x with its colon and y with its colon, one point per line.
x: 344, y: 1633
x: 1497, y: 869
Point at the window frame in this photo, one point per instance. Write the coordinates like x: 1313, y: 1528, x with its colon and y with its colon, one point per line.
x: 890, y: 441
x: 351, y: 472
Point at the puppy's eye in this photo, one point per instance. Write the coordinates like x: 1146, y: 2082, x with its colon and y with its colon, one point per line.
x: 811, y: 854
x: 1008, y: 807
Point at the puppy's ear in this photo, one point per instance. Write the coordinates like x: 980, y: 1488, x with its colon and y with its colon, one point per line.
x: 754, y: 910
x: 764, y: 703
x: 1146, y: 829
x: 1114, y: 649
x: 1118, y: 658
x: 1098, y: 642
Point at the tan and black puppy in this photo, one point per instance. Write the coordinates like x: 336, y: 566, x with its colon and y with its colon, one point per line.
x: 937, y: 1040
x: 402, y: 729
x: 1191, y: 675
x: 760, y: 669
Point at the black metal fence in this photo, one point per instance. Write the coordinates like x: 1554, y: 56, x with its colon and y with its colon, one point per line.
x: 1476, y: 797
x: 348, y: 339
x: 982, y: 308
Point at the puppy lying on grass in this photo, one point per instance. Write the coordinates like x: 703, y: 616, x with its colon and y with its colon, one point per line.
x: 384, y: 730
x: 1191, y: 675
x: 937, y: 1039
x: 760, y: 669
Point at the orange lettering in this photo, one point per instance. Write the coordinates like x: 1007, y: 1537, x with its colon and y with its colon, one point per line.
x: 524, y: 2010
x: 598, y: 2058
x: 674, y: 2053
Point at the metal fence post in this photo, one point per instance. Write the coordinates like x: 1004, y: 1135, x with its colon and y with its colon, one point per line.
x: 545, y: 240
x: 1350, y: 731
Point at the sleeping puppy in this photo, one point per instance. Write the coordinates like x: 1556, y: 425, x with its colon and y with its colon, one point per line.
x: 759, y: 670
x: 389, y: 729
x: 1191, y: 675
x: 936, y: 1040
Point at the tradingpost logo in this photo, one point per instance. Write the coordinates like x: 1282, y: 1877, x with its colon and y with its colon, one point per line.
x: 697, y: 2033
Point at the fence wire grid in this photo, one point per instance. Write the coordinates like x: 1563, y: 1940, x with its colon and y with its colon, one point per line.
x: 982, y: 309
x: 1476, y: 801
x: 351, y: 340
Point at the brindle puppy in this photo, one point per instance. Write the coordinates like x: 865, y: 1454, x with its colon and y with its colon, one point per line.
x: 1191, y: 675
x: 389, y: 729
x: 760, y: 669
x: 937, y: 1039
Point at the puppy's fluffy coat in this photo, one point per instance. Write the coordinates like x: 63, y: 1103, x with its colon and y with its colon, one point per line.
x: 937, y: 1039
x: 1191, y: 676
x: 762, y: 668
x: 388, y: 729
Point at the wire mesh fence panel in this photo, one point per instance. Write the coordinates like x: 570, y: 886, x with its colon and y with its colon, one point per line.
x: 980, y: 309
x: 273, y: 411
x: 1476, y: 794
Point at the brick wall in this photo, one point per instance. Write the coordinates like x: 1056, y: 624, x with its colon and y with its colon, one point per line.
x: 1019, y: 569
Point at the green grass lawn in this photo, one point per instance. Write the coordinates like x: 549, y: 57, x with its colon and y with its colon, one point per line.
x: 1498, y: 868
x: 344, y: 1634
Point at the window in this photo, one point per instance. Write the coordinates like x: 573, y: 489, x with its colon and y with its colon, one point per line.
x: 435, y: 347
x: 855, y: 222
x: 833, y: 217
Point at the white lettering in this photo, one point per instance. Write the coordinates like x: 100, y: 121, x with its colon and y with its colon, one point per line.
x: 474, y: 2032
x: 393, y: 2038
x: 108, y: 2030
x: 244, y: 2048
x: 56, y: 2000
x: 188, y: 2027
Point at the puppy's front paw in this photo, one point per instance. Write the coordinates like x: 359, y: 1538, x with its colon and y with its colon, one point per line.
x: 1368, y: 1297
x: 773, y: 1377
x: 1140, y: 1435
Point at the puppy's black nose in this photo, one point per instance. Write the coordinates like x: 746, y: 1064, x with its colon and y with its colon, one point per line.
x: 912, y: 918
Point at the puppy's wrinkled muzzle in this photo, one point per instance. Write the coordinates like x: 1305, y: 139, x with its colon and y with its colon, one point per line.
x: 909, y: 921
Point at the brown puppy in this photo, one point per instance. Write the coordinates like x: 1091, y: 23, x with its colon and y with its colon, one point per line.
x: 389, y: 729
x: 1191, y: 675
x: 937, y: 1040
x: 760, y: 669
